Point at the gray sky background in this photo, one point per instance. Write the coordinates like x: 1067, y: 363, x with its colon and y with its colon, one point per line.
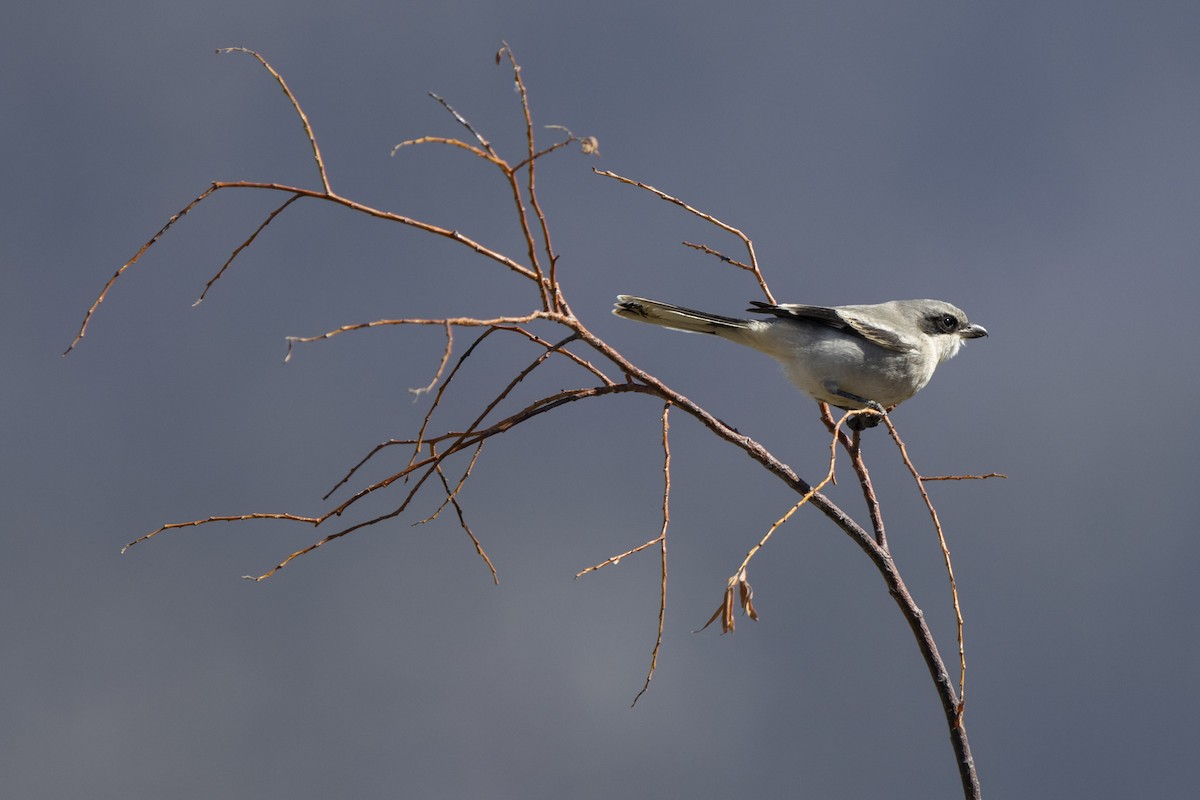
x: 1035, y: 163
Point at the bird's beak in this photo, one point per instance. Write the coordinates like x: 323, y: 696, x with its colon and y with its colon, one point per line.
x: 973, y: 332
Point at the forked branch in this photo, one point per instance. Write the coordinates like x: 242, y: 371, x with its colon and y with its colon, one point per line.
x: 458, y: 448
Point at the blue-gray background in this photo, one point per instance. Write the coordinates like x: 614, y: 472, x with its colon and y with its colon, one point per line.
x: 1036, y: 163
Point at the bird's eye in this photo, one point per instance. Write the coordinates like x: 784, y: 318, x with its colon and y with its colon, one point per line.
x: 947, y: 323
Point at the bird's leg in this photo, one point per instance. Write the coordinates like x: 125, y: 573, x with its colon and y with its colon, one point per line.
x: 861, y: 421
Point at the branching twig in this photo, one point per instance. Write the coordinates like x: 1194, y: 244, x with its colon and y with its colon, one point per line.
x: 661, y: 541
x: 941, y: 537
x: 428, y: 467
x: 430, y: 454
x: 464, y: 322
x: 753, y: 267
x: 522, y: 215
x: 725, y: 611
x: 452, y: 498
x: 853, y: 446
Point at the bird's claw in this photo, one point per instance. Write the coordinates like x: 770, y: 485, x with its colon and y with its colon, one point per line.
x: 860, y: 422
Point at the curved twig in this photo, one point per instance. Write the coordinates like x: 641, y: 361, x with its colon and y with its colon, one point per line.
x: 308, y: 131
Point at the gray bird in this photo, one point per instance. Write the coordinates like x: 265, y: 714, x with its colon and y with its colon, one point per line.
x: 852, y: 357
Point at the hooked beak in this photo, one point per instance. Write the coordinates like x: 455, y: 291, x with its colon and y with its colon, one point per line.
x: 973, y: 332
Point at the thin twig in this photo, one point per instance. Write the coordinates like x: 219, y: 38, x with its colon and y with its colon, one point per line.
x: 452, y: 498
x: 418, y: 443
x: 520, y: 376
x: 661, y: 541
x: 371, y: 454
x: 539, y: 407
x: 484, y: 143
x: 465, y: 439
x: 941, y: 536
x: 486, y: 156
x: 87, y: 318
x: 170, y: 526
x: 703, y: 248
x: 853, y: 446
x: 464, y: 322
x: 738, y: 580
x: 868, y: 489
x: 448, y: 233
x: 518, y: 200
x: 453, y: 235
x: 963, y: 477
x: 754, y: 268
x: 451, y: 494
x: 417, y: 392
x: 618, y: 558
x: 237, y: 251
x: 308, y: 132
x: 662, y: 550
x: 461, y: 439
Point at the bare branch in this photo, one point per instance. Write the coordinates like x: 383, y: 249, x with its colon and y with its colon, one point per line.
x: 707, y: 218
x: 299, y: 192
x: 429, y: 466
x: 541, y: 359
x: 452, y: 498
x: 727, y: 259
x: 464, y: 440
x: 249, y: 241
x: 486, y: 156
x: 853, y: 446
x: 441, y: 366
x: 662, y: 549
x: 448, y: 233
x: 941, y: 536
x: 661, y: 541
x: 588, y: 145
x: 235, y: 518
x: 615, y: 560
x: 506, y: 51
x: 963, y: 477
x: 738, y: 579
x: 484, y: 143
x: 371, y: 454
x: 559, y: 349
x: 465, y: 322
x: 451, y: 494
x: 418, y: 444
x: 430, y: 454
x: 87, y: 318
x: 312, y: 140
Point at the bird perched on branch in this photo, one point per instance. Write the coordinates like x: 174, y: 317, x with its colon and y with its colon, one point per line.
x: 852, y: 357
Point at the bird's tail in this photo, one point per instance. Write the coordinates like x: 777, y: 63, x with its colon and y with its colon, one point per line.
x: 640, y: 309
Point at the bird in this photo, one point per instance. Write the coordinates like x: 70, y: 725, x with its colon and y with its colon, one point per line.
x: 852, y: 357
